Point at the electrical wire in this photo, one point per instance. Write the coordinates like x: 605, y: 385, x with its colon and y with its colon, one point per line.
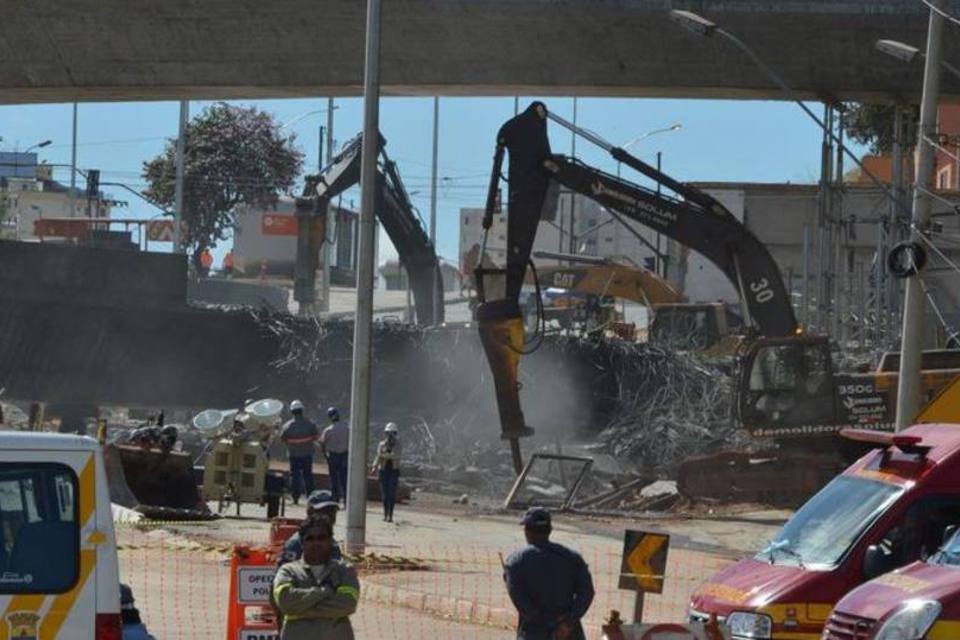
x: 940, y: 11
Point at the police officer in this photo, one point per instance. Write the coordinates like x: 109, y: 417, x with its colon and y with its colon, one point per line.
x: 549, y: 584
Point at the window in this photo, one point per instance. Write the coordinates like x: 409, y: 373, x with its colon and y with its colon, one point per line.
x: 38, y: 521
x: 824, y: 529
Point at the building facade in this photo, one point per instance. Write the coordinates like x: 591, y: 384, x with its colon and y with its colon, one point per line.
x: 265, y: 240
x: 31, y: 194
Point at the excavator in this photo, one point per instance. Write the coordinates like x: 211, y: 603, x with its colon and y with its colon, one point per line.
x: 588, y: 285
x: 788, y: 386
x: 394, y: 211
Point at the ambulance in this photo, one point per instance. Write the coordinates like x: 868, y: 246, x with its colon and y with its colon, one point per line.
x: 58, y: 556
x: 889, y: 509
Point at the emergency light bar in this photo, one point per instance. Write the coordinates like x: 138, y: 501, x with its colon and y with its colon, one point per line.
x: 885, y: 439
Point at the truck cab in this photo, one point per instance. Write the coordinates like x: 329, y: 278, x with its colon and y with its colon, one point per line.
x: 887, y: 510
x: 58, y: 557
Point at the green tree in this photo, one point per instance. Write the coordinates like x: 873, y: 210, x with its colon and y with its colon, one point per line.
x: 872, y: 124
x: 233, y: 156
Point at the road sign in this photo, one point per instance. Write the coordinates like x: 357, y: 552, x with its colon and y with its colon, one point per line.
x: 278, y: 224
x: 62, y: 228
x: 160, y: 231
x: 643, y: 566
x: 644, y: 561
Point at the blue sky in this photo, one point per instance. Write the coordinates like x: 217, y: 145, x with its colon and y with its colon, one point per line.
x: 720, y: 141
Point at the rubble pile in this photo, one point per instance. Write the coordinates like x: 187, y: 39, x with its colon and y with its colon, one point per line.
x: 640, y: 402
x: 671, y: 406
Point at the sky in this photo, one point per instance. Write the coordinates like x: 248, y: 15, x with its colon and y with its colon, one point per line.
x: 749, y: 141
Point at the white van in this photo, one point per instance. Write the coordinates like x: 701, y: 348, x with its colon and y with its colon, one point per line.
x: 58, y: 555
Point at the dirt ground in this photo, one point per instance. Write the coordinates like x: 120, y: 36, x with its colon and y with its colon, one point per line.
x: 437, y: 572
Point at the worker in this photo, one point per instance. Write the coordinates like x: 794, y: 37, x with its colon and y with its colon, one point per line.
x: 549, y: 584
x: 387, y: 466
x: 206, y: 261
x: 133, y: 627
x: 335, y: 442
x: 319, y: 503
x: 317, y: 593
x: 300, y: 436
x: 228, y: 264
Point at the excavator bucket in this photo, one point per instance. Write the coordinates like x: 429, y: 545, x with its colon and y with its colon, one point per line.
x: 159, y: 484
x: 501, y: 332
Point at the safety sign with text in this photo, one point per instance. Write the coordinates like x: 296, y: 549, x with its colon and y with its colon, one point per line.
x: 255, y: 584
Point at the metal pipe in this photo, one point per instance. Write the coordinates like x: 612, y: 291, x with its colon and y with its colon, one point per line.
x: 178, y: 187
x: 805, y: 310
x: 908, y: 390
x: 363, y: 319
x: 73, y: 166
x: 433, y: 206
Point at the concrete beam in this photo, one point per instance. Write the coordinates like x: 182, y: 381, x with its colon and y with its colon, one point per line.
x: 98, y: 50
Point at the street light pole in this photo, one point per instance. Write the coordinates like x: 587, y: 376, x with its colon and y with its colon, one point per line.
x: 73, y: 164
x: 433, y: 208
x: 178, y: 186
x: 329, y: 226
x: 911, y: 350
x: 363, y: 319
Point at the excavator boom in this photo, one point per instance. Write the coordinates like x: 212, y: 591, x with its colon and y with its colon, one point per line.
x: 397, y: 215
x: 692, y: 218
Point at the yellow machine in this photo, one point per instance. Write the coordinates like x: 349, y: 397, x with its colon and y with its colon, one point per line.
x: 236, y: 471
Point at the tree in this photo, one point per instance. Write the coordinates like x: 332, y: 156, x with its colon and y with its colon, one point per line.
x: 872, y: 124
x: 233, y: 156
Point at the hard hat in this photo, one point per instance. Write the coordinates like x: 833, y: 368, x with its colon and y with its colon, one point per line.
x: 321, y: 499
x: 391, y: 428
x: 296, y: 405
x: 333, y: 413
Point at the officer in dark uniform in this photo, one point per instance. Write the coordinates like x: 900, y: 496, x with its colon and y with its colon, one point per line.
x: 549, y: 584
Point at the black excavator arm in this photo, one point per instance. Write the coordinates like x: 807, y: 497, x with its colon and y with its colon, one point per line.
x: 397, y: 215
x: 691, y: 217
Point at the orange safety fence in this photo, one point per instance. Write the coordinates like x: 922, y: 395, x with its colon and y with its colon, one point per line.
x: 181, y: 578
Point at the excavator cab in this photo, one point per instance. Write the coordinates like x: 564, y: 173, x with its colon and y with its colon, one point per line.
x: 787, y: 386
x: 688, y: 327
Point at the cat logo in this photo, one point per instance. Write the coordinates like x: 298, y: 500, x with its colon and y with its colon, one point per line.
x: 23, y: 625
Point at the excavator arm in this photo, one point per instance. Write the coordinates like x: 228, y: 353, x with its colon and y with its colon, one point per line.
x: 397, y: 215
x: 691, y: 217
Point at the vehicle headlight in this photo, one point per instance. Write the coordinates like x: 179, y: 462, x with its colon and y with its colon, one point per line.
x: 910, y: 622
x: 750, y: 625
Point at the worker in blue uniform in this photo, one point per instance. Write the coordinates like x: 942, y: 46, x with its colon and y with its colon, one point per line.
x: 549, y: 584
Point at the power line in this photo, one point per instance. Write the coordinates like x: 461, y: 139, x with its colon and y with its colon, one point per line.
x: 941, y: 12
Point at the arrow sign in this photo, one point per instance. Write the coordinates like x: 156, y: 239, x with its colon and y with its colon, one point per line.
x: 644, y: 561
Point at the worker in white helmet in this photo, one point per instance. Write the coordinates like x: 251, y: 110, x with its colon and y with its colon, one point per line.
x: 387, y: 466
x: 300, y: 435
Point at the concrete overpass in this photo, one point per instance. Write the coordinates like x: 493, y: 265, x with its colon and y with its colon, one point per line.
x: 52, y: 51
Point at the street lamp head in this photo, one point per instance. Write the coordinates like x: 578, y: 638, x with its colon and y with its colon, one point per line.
x: 676, y: 127
x: 898, y: 50
x: 694, y: 22
x: 45, y: 143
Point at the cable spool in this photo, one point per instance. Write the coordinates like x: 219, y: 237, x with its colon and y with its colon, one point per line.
x: 906, y: 259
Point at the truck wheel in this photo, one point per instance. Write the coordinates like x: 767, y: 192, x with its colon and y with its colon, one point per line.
x: 273, y: 506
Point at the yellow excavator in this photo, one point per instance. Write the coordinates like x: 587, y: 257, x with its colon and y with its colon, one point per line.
x: 788, y: 390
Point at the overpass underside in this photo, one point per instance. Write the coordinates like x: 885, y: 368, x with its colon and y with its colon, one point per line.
x: 94, y: 50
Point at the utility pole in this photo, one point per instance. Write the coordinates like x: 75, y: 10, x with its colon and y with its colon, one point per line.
x: 573, y: 196
x: 73, y: 165
x: 330, y: 109
x: 178, y: 187
x: 363, y: 318
x: 433, y: 209
x: 326, y: 247
x: 911, y: 350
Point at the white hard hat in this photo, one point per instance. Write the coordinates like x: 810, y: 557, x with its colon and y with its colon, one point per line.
x: 296, y: 405
x: 391, y: 428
